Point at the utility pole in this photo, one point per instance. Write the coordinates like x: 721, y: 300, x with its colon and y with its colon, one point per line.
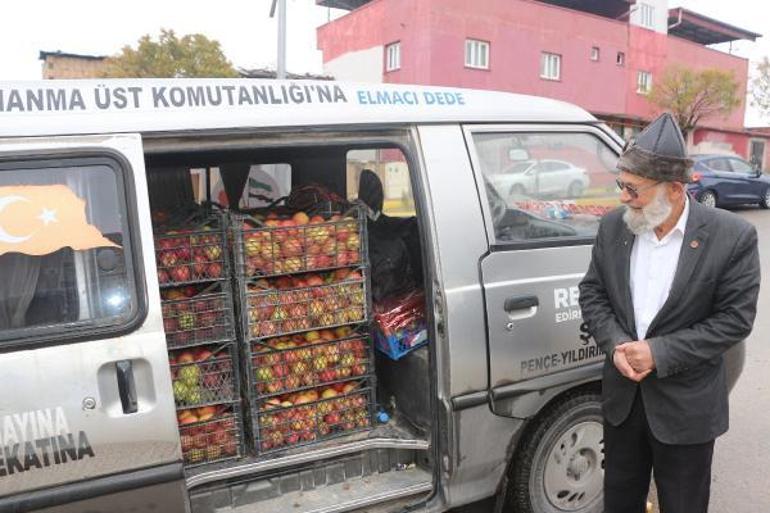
x: 281, y: 61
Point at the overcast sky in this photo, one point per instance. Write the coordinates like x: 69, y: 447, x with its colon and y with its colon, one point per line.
x: 245, y: 30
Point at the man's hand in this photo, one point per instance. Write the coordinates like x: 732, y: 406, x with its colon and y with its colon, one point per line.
x: 639, y: 356
x: 620, y: 358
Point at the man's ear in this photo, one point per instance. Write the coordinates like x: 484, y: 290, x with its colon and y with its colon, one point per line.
x: 677, y: 189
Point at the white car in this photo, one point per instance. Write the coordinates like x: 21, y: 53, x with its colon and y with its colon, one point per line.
x: 541, y: 178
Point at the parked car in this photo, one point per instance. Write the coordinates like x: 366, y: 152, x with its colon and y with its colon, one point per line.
x: 721, y: 180
x: 542, y: 177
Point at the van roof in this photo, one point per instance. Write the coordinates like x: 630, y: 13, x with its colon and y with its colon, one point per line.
x: 64, y: 107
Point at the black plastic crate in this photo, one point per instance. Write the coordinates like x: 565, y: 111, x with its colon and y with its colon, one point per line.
x: 289, y: 421
x: 266, y: 247
x: 205, y: 316
x: 271, y: 311
x: 204, y: 375
x: 193, y: 251
x: 210, y: 434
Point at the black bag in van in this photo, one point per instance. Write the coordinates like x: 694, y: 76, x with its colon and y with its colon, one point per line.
x: 392, y: 269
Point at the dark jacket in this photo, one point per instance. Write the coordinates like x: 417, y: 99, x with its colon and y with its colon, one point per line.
x: 711, y: 307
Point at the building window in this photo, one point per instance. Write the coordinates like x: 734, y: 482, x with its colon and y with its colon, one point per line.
x: 594, y: 53
x: 621, y: 59
x: 647, y: 16
x: 393, y: 56
x: 550, y: 66
x: 643, y: 82
x: 476, y: 54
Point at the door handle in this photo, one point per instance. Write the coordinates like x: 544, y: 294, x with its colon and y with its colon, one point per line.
x: 520, y: 303
x: 126, y: 386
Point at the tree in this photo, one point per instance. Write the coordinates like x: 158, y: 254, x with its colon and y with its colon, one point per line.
x: 193, y: 55
x: 693, y: 95
x: 760, y: 87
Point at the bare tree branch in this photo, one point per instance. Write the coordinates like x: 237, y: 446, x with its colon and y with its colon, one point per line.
x: 692, y: 96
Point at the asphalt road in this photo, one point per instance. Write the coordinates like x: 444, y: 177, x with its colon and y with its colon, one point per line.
x: 741, y: 469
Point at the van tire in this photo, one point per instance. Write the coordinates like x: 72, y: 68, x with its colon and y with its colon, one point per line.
x: 569, y: 432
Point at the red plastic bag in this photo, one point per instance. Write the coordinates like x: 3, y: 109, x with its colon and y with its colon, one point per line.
x: 401, y: 321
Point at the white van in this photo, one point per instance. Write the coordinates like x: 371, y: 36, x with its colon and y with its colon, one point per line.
x: 117, y: 397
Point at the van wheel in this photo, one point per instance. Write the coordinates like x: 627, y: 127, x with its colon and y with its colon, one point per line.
x: 560, y: 466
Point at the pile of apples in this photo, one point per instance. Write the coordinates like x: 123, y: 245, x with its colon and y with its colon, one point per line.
x: 313, y: 358
x: 201, y: 376
x: 191, y: 315
x: 207, y: 433
x: 312, y: 415
x: 298, y: 303
x: 299, y: 243
x: 189, y: 255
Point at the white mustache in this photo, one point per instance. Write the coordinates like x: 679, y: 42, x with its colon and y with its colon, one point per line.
x: 650, y: 216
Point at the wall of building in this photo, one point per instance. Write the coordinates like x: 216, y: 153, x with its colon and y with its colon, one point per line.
x: 432, y: 34
x: 372, y: 27
x: 519, y: 31
x: 362, y: 65
x: 711, y: 140
x: 647, y: 51
x: 55, y: 67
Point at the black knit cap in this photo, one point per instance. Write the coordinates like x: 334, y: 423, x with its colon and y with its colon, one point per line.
x: 658, y: 152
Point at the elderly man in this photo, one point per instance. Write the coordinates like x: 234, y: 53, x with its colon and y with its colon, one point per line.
x: 671, y: 286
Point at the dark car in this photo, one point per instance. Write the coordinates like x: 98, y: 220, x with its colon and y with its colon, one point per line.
x: 721, y: 180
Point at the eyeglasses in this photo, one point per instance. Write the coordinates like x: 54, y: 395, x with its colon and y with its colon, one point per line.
x: 633, y: 191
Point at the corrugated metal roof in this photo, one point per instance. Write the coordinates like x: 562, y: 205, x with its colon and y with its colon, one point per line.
x: 703, y: 30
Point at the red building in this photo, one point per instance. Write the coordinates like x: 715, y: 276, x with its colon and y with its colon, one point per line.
x: 603, y: 55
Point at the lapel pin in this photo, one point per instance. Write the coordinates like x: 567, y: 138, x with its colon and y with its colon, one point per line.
x: 694, y: 244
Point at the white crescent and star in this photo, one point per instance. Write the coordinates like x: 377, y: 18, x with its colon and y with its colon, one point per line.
x: 46, y: 216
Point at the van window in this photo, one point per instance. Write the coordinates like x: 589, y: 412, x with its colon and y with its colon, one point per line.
x: 65, y: 254
x: 265, y: 184
x: 390, y: 165
x: 546, y: 185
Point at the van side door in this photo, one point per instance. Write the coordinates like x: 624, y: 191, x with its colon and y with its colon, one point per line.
x: 539, y: 249
x: 87, y: 413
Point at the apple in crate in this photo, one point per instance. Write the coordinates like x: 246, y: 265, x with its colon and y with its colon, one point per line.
x: 214, y: 270
x: 180, y: 273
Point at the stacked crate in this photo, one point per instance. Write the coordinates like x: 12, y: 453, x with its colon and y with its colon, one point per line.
x: 304, y: 307
x: 199, y: 323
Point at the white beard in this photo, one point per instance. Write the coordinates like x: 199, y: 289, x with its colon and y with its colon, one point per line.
x: 650, y: 216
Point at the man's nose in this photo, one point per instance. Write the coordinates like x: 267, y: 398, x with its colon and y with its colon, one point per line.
x: 625, y: 196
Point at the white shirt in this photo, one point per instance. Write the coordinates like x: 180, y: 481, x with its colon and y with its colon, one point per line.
x: 653, y: 265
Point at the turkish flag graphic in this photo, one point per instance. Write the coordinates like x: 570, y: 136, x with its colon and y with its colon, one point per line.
x: 41, y: 219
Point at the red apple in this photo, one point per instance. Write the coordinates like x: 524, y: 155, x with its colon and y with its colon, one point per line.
x: 180, y: 273
x: 214, y: 270
x: 185, y: 357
